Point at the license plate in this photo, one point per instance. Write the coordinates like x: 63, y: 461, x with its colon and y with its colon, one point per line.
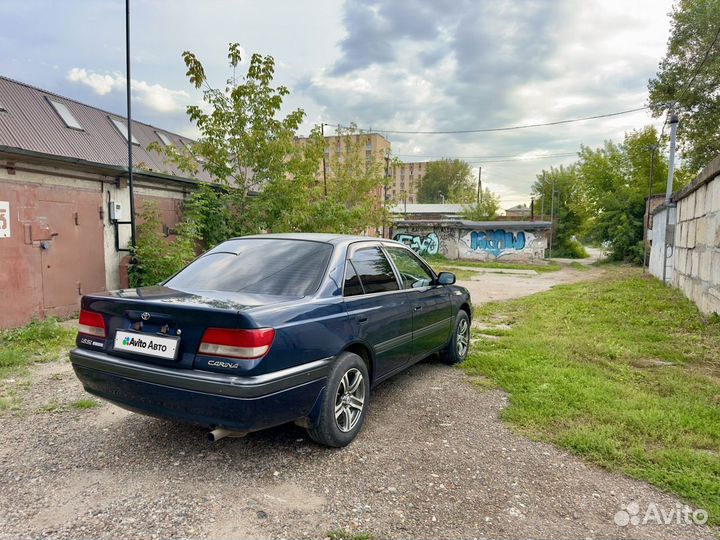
x: 147, y: 344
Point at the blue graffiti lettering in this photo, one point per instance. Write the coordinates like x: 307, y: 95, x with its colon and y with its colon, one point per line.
x: 498, y: 242
x: 422, y: 245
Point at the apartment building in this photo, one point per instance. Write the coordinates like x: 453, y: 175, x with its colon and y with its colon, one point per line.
x: 373, y: 146
x: 406, y: 180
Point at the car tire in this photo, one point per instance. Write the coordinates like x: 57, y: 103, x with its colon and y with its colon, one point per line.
x: 457, y: 349
x: 345, y: 403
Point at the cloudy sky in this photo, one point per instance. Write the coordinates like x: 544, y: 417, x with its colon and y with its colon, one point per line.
x: 403, y: 65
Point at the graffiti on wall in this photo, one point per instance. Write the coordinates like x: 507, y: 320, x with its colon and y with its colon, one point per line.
x: 422, y: 245
x: 499, y: 242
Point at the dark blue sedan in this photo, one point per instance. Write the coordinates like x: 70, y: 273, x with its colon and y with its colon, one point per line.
x: 264, y: 330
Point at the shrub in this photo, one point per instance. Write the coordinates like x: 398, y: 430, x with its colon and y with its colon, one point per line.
x: 155, y: 257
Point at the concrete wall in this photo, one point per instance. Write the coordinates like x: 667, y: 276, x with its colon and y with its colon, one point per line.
x: 697, y: 243
x: 480, y: 241
x: 56, y: 238
x: 694, y: 265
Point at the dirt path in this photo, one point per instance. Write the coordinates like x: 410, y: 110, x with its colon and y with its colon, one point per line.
x: 434, y: 461
x: 496, y: 285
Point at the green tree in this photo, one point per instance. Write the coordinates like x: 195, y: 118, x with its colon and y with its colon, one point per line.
x: 450, y: 180
x: 485, y: 209
x: 612, y: 184
x: 268, y: 179
x: 358, y: 183
x: 558, y: 190
x: 689, y: 78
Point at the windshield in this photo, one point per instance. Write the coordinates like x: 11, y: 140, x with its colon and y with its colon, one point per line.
x: 263, y: 266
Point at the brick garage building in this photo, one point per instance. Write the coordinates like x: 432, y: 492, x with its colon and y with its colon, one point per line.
x: 63, y: 171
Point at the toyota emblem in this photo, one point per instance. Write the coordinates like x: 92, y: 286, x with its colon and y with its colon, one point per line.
x: 145, y: 316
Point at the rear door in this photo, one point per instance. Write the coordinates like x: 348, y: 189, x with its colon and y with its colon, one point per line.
x: 432, y: 311
x: 379, y: 309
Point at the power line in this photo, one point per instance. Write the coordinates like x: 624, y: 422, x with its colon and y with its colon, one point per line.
x: 481, y: 157
x: 507, y: 128
x: 487, y: 159
x: 549, y: 156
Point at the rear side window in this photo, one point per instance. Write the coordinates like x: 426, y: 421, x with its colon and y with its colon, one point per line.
x: 352, y: 287
x: 374, y: 271
x: 255, y: 265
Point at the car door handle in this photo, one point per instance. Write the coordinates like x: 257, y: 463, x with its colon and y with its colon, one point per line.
x: 417, y: 308
x: 362, y: 319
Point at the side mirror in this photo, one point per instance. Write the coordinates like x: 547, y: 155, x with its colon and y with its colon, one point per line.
x: 446, y: 278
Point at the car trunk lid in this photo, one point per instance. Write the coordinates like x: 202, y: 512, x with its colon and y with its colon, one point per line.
x: 165, y: 326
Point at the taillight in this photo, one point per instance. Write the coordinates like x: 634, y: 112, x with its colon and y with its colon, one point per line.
x: 230, y: 343
x: 91, y: 323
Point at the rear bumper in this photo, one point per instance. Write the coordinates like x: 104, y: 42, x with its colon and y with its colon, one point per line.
x: 201, y: 397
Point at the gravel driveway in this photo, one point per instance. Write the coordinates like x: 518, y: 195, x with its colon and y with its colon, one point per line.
x: 433, y: 461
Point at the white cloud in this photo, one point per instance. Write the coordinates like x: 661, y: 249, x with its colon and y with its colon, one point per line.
x: 153, y: 96
x: 488, y: 65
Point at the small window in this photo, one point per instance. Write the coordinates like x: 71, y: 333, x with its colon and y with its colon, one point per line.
x: 374, y: 270
x: 65, y: 115
x: 164, y: 138
x: 413, y: 273
x: 352, y: 287
x: 122, y: 128
x: 3, y: 109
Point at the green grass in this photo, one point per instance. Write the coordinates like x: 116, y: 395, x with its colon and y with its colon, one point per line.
x: 52, y: 407
x: 579, y: 266
x: 39, y: 341
x: 460, y: 274
x: 345, y: 535
x: 82, y: 404
x: 581, y: 367
x: 540, y: 268
x: 439, y: 260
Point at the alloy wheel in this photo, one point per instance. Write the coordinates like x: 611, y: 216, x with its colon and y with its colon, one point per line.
x: 349, y: 400
x: 463, y: 337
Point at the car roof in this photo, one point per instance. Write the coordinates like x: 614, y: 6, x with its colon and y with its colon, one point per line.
x: 328, y: 238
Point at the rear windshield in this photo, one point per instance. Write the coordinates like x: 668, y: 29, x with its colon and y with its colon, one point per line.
x: 262, y: 266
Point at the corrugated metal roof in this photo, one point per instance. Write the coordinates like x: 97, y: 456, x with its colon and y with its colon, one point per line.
x: 31, y: 123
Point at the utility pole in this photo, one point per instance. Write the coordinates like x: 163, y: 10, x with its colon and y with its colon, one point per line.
x: 552, y: 215
x: 532, y: 209
x: 322, y: 132
x: 479, y: 196
x: 542, y: 200
x: 646, y: 226
x: 129, y: 123
x: 671, y: 162
x: 385, y: 185
x: 668, y: 192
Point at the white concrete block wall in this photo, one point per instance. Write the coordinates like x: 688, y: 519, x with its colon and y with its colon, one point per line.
x: 696, y: 257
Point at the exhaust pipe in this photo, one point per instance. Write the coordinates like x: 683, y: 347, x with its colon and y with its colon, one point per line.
x: 220, y: 433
